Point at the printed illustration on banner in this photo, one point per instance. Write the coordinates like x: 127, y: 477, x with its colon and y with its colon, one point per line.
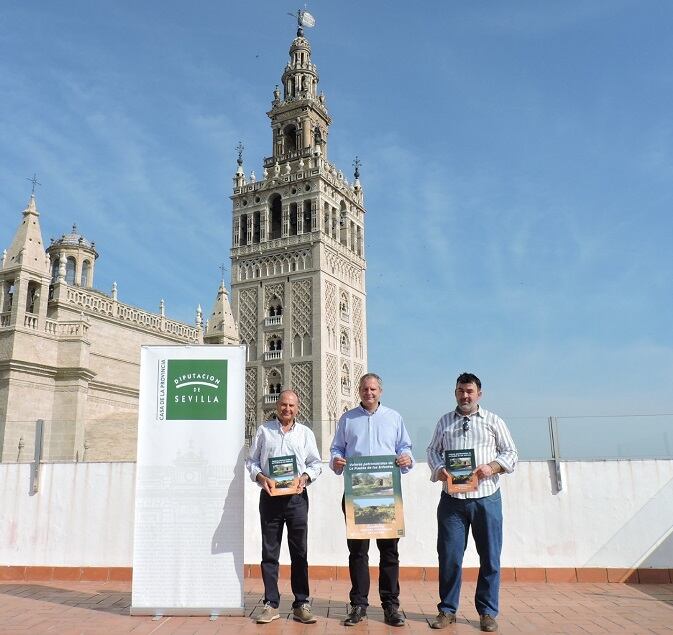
x: 195, y: 389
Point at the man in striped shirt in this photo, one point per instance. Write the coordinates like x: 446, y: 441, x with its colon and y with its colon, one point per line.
x: 283, y: 437
x: 470, y: 427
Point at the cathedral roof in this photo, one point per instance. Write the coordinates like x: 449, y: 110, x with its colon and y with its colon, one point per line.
x: 74, y: 239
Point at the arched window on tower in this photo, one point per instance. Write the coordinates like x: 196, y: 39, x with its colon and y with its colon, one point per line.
x: 243, y: 237
x: 345, y: 381
x: 54, y: 269
x: 308, y: 227
x: 70, y: 267
x: 32, y: 297
x: 255, y: 227
x: 343, y: 224
x: 274, y: 312
x: 345, y: 344
x: 343, y: 306
x: 86, y: 274
x: 274, y: 383
x: 293, y: 219
x: 276, y: 216
x: 290, y: 137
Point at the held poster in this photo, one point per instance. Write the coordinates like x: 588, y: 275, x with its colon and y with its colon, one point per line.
x: 460, y: 464
x: 373, y: 498
x: 188, y: 526
x: 284, y: 475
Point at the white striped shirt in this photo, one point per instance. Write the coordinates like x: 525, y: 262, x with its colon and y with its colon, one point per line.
x: 487, y: 434
x: 271, y: 441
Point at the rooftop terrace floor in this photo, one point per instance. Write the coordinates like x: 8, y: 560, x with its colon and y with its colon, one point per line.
x: 68, y: 608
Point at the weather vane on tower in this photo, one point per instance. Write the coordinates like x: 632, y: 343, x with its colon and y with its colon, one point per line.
x: 304, y: 18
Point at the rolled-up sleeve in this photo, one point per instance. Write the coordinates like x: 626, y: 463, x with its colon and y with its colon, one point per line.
x: 507, y: 455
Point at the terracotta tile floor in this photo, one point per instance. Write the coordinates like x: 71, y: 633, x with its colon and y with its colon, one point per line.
x: 69, y: 608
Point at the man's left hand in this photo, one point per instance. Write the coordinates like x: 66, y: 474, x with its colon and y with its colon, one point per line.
x: 484, y: 471
x: 301, y: 486
x: 403, y: 460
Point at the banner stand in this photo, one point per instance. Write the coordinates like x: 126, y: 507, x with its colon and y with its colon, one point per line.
x: 188, y: 526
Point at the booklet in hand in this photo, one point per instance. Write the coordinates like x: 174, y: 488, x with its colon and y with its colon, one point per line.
x: 283, y: 474
x: 460, y: 464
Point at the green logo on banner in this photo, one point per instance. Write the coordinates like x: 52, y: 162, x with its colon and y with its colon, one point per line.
x: 196, y: 389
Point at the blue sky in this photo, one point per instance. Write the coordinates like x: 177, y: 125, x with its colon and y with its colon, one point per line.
x: 517, y: 168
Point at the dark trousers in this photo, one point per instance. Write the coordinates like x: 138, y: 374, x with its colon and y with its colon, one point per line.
x: 389, y: 571
x: 274, y: 512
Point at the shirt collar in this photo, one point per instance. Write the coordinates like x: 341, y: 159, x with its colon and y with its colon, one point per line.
x: 280, y: 426
x: 367, y: 411
x: 459, y: 415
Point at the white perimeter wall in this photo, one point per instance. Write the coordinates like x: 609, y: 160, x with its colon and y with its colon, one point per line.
x: 609, y: 514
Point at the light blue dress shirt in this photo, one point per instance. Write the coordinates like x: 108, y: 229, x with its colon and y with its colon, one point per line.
x: 360, y: 433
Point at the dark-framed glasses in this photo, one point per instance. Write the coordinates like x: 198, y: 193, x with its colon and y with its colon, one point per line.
x: 466, y: 424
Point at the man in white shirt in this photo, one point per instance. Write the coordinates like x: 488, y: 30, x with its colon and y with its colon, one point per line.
x: 470, y: 427
x: 281, y: 437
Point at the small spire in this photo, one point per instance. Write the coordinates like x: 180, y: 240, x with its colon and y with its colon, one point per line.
x: 114, y: 291
x: 162, y: 308
x: 239, y: 148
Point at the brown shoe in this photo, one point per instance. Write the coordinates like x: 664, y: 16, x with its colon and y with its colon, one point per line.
x: 443, y: 620
x: 303, y: 614
x: 488, y: 624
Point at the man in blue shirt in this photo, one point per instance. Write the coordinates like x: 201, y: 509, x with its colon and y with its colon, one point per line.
x: 371, y: 430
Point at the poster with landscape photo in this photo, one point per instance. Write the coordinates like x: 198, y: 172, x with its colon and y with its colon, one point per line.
x: 373, y: 498
x: 460, y: 464
x: 283, y: 474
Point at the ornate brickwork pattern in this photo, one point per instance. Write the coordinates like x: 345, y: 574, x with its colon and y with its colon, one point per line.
x: 301, y: 307
x: 247, y: 315
x: 343, y: 269
x: 302, y: 384
x: 265, y: 266
x: 357, y: 327
x: 276, y: 289
x: 331, y: 304
x: 358, y: 371
x: 250, y: 403
x: 332, y: 377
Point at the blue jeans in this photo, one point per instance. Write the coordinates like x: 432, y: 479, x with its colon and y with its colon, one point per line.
x: 454, y: 518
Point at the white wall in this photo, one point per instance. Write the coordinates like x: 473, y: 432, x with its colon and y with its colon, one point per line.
x: 609, y: 514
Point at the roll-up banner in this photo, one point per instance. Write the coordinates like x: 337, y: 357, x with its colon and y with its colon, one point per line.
x: 188, y: 527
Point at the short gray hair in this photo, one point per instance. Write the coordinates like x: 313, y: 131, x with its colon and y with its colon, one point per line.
x: 282, y: 392
x: 367, y: 376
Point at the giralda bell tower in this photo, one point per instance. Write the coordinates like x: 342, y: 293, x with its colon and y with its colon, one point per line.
x: 298, y: 262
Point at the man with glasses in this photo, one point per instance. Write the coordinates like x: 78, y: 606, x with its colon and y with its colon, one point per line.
x: 470, y: 427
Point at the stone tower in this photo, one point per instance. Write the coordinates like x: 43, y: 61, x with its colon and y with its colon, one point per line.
x: 298, y: 262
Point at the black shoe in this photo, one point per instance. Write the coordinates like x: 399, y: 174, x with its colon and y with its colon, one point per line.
x: 356, y: 615
x: 393, y: 617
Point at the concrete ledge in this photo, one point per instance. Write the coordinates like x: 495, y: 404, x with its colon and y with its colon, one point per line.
x: 427, y: 574
x: 77, y: 574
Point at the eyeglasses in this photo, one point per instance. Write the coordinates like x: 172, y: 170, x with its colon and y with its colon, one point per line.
x: 466, y: 424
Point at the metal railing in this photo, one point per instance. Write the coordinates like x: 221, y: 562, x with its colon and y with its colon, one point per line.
x: 570, y: 438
